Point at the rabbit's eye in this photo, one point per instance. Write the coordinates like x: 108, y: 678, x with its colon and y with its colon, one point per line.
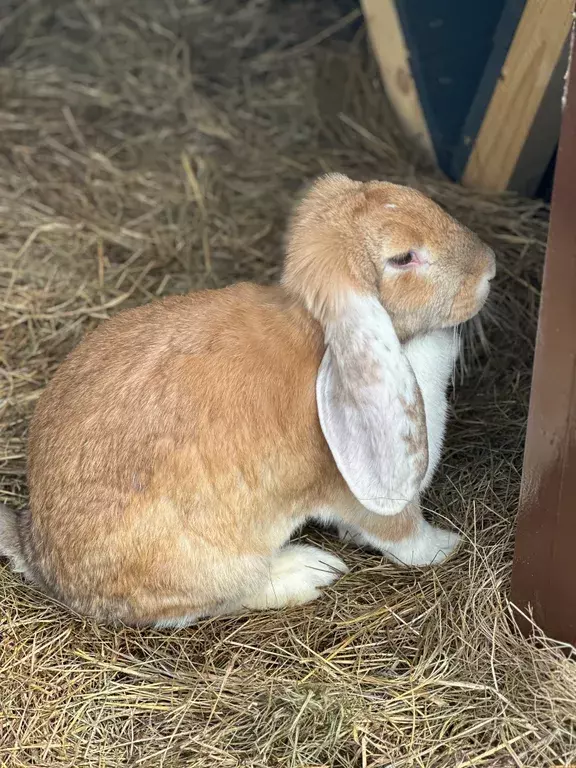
x: 403, y: 260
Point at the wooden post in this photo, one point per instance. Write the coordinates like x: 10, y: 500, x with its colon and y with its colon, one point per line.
x: 544, y: 573
x: 391, y: 51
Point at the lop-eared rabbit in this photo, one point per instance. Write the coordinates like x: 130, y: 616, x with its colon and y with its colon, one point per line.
x: 182, y: 443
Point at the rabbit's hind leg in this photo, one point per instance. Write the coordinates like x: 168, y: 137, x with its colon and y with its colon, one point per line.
x: 295, y: 575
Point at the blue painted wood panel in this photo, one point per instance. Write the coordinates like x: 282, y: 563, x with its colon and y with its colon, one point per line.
x: 451, y: 42
x: 503, y: 36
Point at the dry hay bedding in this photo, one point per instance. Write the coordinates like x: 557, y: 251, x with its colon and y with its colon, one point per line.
x: 154, y: 146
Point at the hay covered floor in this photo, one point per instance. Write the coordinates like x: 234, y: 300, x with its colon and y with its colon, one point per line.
x: 155, y: 146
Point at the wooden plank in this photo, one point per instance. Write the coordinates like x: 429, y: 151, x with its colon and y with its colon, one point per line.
x: 530, y: 62
x: 450, y: 44
x: 393, y: 58
x: 544, y: 572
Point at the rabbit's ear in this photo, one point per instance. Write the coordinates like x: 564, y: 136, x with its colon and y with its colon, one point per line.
x: 371, y: 409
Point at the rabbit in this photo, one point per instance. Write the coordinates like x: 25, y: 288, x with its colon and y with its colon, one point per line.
x: 182, y: 443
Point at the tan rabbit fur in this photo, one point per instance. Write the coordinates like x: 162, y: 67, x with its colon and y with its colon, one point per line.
x: 180, y: 445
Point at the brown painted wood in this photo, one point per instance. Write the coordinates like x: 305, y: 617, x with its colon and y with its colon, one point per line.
x: 544, y: 573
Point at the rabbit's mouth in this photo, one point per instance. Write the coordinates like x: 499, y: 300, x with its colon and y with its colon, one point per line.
x: 472, y: 295
x: 466, y: 307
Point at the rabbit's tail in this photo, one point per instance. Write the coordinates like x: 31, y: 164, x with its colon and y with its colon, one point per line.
x: 10, y: 541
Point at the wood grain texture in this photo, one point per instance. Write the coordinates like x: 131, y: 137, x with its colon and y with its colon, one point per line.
x: 393, y: 58
x: 531, y: 60
x: 544, y: 575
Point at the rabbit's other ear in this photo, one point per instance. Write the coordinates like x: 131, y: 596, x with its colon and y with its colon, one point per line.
x: 370, y: 408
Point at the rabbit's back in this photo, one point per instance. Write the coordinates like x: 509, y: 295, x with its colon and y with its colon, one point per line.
x: 185, y: 427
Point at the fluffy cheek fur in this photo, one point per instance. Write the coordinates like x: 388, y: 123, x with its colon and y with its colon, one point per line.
x: 468, y: 300
x: 418, y: 303
x: 414, y: 302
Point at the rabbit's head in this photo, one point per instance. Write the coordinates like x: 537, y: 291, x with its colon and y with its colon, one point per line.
x: 390, y: 242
